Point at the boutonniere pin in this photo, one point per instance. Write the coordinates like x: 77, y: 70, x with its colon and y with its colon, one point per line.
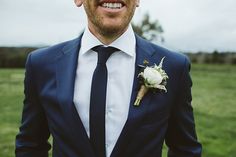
x: 152, y: 78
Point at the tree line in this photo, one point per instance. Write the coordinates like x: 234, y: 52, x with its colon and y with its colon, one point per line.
x: 15, y: 57
x: 213, y: 58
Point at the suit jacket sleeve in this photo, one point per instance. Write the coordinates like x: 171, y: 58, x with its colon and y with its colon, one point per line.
x: 32, y: 140
x: 181, y: 137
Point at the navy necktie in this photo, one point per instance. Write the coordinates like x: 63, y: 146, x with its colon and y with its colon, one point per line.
x: 98, y: 101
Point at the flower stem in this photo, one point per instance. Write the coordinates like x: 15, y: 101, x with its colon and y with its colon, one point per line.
x: 142, y: 91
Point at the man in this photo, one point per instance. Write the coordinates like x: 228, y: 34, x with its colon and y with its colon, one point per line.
x: 87, y: 102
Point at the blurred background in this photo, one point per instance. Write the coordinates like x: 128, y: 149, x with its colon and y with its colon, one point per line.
x: 204, y: 30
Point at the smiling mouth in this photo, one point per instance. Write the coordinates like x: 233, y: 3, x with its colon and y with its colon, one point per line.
x: 114, y: 5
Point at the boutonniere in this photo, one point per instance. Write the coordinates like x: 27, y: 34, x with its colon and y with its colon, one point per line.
x: 151, y: 78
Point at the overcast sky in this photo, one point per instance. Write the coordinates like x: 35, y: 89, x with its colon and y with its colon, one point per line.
x: 189, y: 25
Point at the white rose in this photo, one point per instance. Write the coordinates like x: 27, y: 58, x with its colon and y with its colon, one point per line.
x: 152, y: 76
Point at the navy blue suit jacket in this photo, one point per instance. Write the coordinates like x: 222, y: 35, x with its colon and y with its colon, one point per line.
x: 49, y: 109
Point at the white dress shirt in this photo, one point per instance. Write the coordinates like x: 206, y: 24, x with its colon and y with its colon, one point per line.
x: 121, y: 67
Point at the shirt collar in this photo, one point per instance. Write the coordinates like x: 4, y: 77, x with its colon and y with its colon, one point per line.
x: 126, y: 42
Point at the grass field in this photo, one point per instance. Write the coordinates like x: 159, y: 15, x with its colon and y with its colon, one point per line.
x: 214, y: 102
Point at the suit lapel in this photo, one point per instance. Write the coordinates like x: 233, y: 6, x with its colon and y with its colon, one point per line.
x: 65, y: 75
x: 144, y: 51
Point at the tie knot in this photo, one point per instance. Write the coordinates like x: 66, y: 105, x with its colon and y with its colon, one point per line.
x: 104, y: 53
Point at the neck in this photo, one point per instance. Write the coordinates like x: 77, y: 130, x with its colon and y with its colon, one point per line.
x: 107, y: 38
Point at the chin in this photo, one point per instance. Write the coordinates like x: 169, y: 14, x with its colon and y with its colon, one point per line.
x: 113, y: 29
x: 115, y: 26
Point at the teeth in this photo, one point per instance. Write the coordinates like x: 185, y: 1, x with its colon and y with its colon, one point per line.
x: 112, y: 5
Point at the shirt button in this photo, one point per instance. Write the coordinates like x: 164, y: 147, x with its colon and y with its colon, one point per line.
x: 109, y: 111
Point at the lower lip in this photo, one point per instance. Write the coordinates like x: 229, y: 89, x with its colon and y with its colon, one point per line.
x: 112, y: 10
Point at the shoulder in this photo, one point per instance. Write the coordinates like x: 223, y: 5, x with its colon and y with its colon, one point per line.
x: 44, y: 59
x: 174, y: 60
x: 47, y: 54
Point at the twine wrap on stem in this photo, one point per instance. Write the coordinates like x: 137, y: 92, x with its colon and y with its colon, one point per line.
x: 143, y: 90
